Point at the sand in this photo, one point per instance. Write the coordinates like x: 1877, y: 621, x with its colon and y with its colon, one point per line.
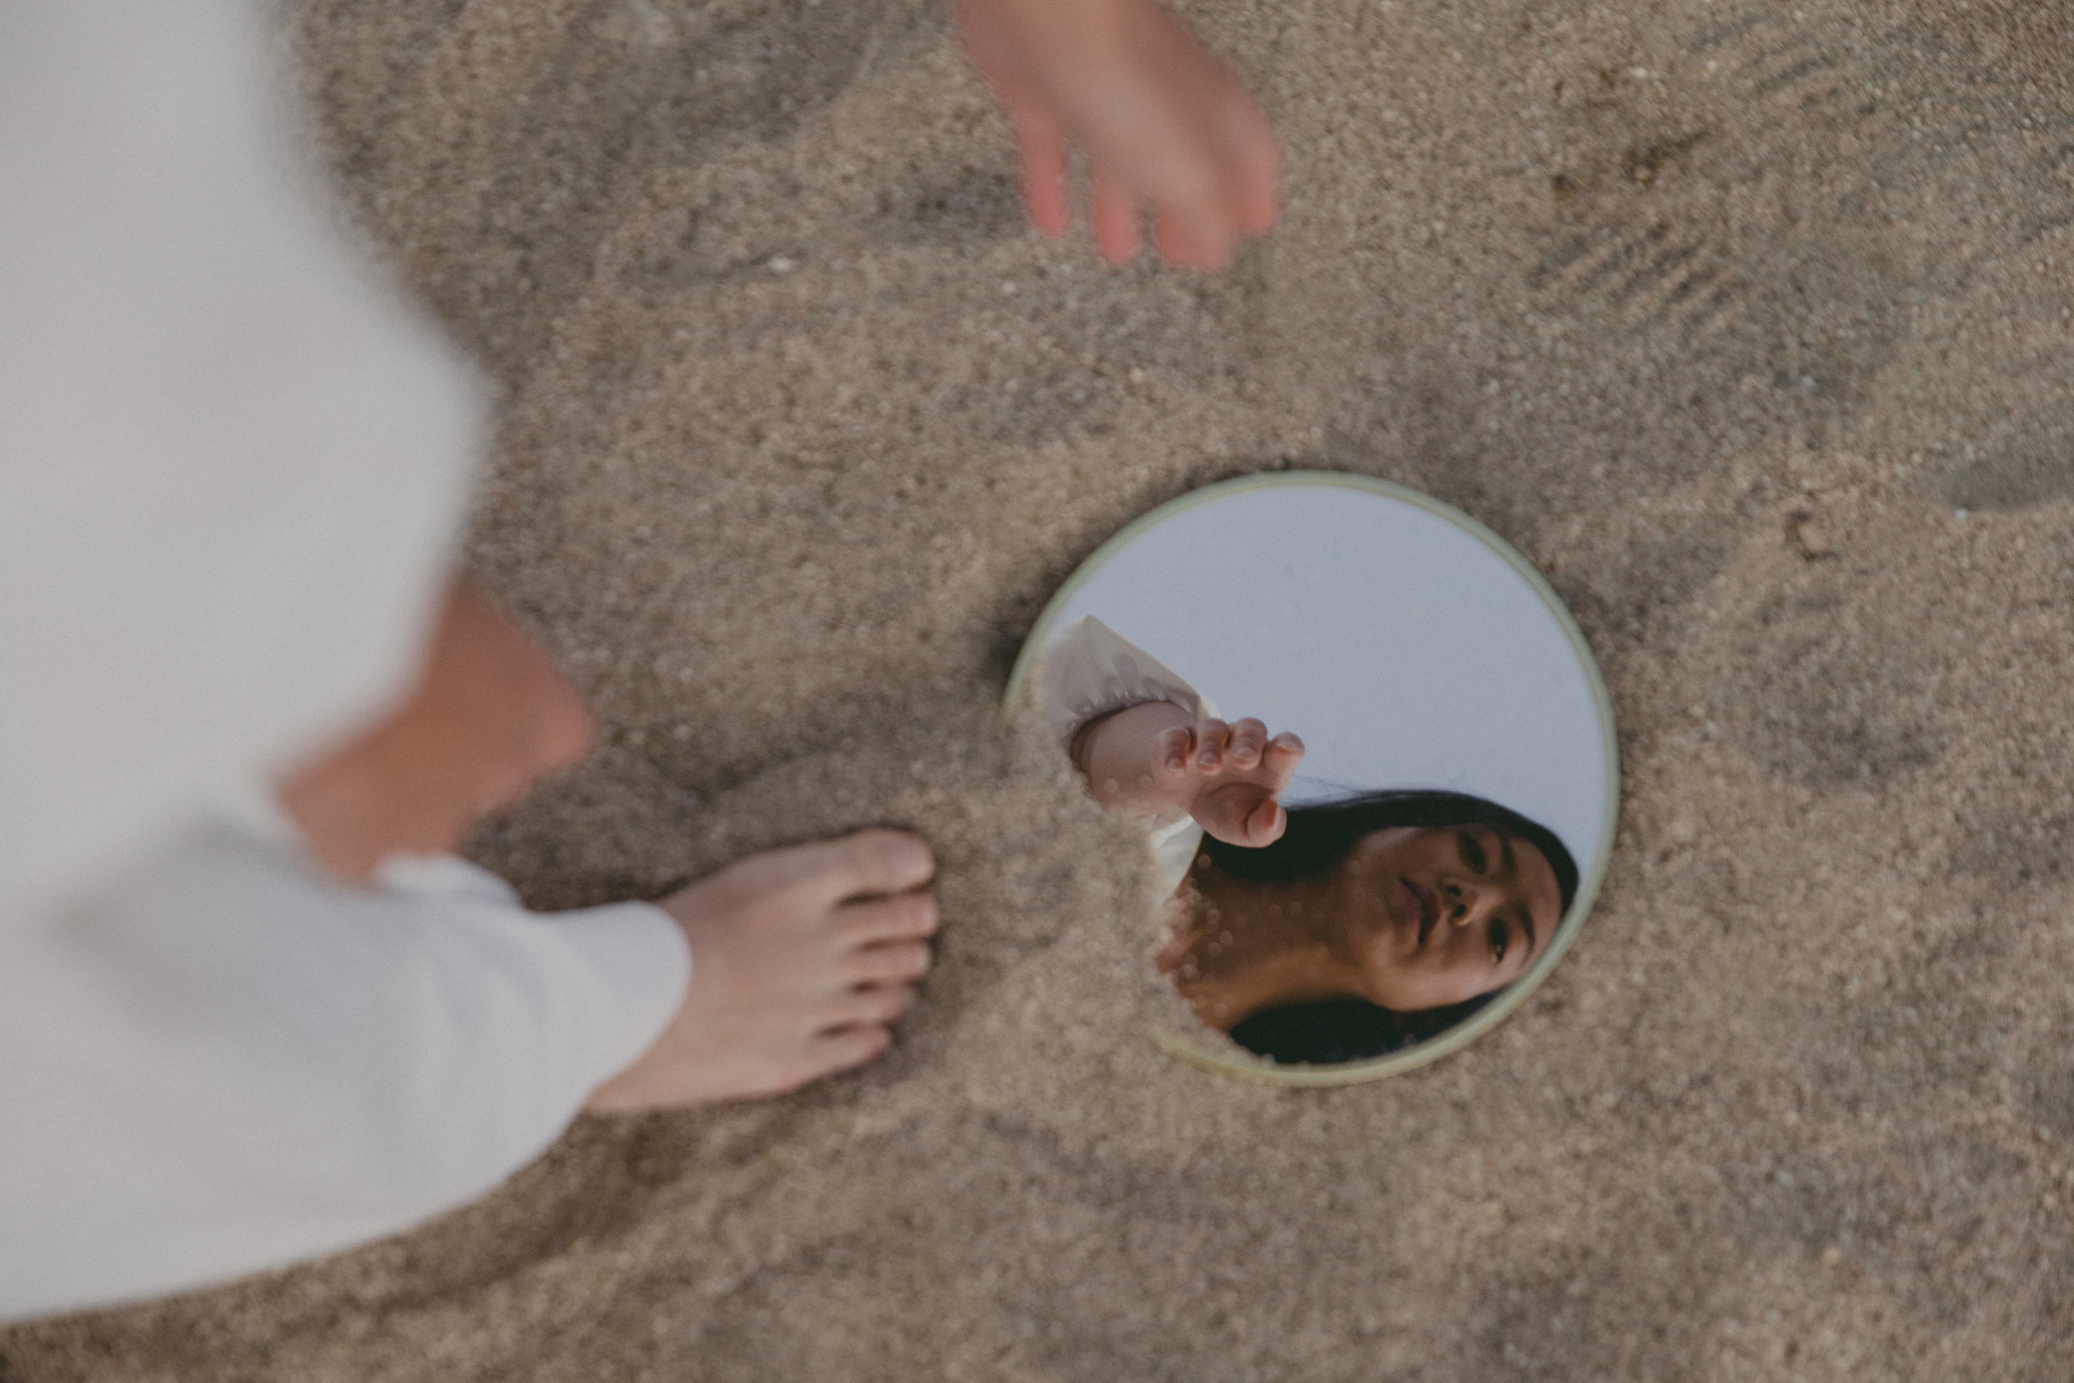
x: 800, y: 428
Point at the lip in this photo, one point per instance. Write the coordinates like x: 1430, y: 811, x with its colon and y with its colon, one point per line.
x: 1427, y: 905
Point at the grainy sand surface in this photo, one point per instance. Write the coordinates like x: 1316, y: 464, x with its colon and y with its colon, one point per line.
x: 800, y: 429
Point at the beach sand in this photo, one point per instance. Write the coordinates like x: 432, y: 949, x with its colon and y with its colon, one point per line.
x: 800, y: 427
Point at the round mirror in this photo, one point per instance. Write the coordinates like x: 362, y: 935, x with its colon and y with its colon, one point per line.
x: 1371, y: 752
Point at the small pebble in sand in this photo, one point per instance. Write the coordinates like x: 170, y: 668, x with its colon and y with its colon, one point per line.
x: 1809, y: 537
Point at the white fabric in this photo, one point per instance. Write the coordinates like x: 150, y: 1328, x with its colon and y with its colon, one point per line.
x: 1089, y: 671
x: 224, y: 1062
x: 232, y: 464
x: 231, y: 468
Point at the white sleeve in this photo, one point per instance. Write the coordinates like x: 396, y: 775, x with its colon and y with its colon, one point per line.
x: 1090, y: 670
x: 232, y: 461
x: 226, y: 1063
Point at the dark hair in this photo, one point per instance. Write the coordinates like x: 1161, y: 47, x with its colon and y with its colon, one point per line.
x: 1320, y: 835
x: 1318, y: 838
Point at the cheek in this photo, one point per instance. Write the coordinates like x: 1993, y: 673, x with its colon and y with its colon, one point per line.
x: 1432, y: 981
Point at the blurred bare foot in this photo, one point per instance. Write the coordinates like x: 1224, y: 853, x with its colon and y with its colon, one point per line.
x: 801, y: 959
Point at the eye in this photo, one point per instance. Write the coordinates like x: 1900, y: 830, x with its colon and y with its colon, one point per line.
x: 1472, y: 853
x: 1499, y: 935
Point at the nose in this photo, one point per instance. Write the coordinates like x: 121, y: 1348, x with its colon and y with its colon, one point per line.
x: 1465, y: 902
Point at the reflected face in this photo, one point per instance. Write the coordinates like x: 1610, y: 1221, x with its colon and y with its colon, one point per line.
x: 1448, y: 912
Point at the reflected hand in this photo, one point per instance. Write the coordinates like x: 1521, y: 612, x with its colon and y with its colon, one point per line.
x: 1165, y: 124
x: 1228, y: 777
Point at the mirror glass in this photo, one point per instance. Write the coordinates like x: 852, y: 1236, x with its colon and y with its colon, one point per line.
x: 1371, y: 753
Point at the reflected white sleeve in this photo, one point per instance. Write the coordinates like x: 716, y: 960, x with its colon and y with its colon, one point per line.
x: 228, y: 1063
x: 1089, y: 671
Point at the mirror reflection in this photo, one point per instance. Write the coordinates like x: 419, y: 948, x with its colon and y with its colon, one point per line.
x: 1367, y: 748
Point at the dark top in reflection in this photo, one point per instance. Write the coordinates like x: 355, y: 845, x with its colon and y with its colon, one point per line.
x: 1331, y: 1031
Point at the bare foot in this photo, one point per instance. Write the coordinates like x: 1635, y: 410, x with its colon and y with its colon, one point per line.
x: 801, y: 960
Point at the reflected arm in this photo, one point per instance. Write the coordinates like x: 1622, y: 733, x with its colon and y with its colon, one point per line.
x: 1118, y: 756
x: 1149, y: 745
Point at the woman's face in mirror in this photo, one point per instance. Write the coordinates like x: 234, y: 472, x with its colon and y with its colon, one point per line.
x: 1342, y: 924
x: 1446, y: 913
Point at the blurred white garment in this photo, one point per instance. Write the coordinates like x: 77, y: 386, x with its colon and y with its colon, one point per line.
x: 234, y: 462
x: 232, y: 465
x: 1090, y: 671
x: 223, y: 1062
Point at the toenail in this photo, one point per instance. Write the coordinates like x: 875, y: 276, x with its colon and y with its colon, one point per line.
x: 907, y: 856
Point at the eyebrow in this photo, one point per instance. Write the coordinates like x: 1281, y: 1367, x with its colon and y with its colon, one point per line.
x: 1526, y: 919
x: 1505, y: 849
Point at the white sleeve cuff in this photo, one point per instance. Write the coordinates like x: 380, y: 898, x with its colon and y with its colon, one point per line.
x: 636, y: 957
x: 227, y: 1063
x: 644, y: 966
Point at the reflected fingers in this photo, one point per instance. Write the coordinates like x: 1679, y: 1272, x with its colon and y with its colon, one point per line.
x: 1248, y: 742
x: 1265, y: 823
x: 1280, y: 759
x: 1172, y: 748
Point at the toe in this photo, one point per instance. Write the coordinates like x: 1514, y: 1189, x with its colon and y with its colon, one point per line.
x: 886, y: 919
x: 869, y: 1004
x: 1278, y: 762
x: 859, y: 865
x: 840, y: 1049
x: 889, y: 960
